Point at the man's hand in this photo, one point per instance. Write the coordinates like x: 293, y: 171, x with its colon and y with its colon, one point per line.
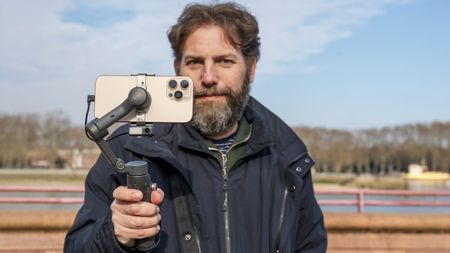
x: 132, y: 218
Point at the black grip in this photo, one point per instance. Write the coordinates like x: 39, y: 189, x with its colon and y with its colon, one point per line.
x: 142, y: 183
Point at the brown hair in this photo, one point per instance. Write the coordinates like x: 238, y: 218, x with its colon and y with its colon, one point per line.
x: 238, y: 24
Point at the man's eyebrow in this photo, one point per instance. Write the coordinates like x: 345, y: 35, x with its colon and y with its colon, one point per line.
x: 225, y: 56
x: 193, y: 57
x: 222, y: 56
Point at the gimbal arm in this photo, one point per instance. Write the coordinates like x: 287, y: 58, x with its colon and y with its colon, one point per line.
x: 97, y: 129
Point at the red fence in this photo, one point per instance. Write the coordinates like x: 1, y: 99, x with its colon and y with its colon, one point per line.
x: 39, y: 200
x: 360, y: 201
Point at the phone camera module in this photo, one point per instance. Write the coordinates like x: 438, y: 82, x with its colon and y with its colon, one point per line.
x: 178, y: 94
x: 173, y: 84
x: 184, y: 84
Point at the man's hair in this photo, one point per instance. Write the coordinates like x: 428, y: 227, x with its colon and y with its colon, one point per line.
x: 238, y: 24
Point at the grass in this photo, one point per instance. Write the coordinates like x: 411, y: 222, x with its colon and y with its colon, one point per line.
x: 42, y: 177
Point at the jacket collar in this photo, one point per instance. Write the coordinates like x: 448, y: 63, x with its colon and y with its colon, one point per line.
x: 261, y: 136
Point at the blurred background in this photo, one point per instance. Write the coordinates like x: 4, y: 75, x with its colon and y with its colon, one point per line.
x: 366, y: 85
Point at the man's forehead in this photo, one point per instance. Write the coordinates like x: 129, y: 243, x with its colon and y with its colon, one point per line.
x: 209, y: 39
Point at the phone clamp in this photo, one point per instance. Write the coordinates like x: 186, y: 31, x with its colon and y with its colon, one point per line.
x: 140, y: 130
x: 140, y: 127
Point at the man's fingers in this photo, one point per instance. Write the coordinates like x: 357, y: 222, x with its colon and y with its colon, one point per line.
x: 136, y: 222
x: 132, y: 218
x: 143, y: 209
x: 125, y: 194
x: 132, y: 195
x: 157, y: 196
x: 126, y: 234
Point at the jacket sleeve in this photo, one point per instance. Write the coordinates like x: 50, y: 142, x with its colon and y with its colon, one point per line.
x: 92, y: 230
x: 311, y: 233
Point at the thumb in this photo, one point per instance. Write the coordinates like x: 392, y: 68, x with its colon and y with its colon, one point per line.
x: 157, y: 196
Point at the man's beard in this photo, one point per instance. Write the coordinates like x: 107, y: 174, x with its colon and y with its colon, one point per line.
x: 212, y: 118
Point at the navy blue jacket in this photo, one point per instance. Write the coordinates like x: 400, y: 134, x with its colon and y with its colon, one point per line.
x: 271, y: 203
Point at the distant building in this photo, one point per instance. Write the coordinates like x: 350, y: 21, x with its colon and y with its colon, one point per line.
x: 79, y: 159
x: 420, y: 172
x: 39, y: 158
x: 63, y: 158
x: 416, y: 169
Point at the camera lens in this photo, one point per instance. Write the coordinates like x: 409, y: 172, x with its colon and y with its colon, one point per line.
x: 172, y: 84
x: 184, y: 84
x: 178, y: 94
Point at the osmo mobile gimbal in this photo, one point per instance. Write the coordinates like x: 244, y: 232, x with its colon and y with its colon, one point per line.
x: 139, y: 100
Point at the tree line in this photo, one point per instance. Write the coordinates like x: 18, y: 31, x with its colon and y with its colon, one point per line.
x: 24, y: 136
x: 379, y: 151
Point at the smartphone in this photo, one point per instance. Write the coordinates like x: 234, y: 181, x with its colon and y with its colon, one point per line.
x: 171, y: 96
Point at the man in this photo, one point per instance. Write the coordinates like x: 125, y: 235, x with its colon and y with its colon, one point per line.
x: 236, y: 179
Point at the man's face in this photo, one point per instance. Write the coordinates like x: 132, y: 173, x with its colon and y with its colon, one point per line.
x: 221, y: 80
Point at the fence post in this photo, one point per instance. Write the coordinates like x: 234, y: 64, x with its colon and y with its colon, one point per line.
x: 360, y: 201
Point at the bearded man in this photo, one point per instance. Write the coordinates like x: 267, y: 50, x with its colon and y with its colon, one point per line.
x: 235, y: 179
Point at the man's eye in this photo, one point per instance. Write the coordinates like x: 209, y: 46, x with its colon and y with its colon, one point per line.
x: 193, y: 62
x: 226, y: 62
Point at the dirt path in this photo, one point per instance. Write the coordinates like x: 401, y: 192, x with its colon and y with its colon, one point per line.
x: 32, y: 242
x: 52, y: 242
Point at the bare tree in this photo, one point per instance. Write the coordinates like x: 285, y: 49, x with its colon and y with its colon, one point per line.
x: 385, y: 150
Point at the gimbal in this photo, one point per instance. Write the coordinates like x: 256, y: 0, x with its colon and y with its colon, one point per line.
x: 137, y: 171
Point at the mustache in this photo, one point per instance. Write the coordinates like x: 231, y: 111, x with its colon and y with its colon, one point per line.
x: 203, y: 92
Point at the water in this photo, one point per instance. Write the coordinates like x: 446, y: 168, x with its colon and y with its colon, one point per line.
x: 412, y: 185
x: 387, y: 209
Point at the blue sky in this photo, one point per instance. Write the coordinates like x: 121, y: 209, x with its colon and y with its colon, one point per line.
x: 345, y: 64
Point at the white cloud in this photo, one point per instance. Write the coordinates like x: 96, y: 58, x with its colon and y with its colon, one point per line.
x: 294, y: 31
x: 41, y: 55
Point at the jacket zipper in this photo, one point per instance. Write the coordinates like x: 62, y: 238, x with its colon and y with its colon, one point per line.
x: 225, y: 187
x: 197, y: 239
x: 283, y: 206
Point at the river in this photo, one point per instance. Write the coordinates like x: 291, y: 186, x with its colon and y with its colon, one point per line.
x: 412, y: 185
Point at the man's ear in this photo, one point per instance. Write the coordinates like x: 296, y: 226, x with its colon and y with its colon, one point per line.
x: 252, y: 70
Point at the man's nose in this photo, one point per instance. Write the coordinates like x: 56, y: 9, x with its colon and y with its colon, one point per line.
x: 209, y: 75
